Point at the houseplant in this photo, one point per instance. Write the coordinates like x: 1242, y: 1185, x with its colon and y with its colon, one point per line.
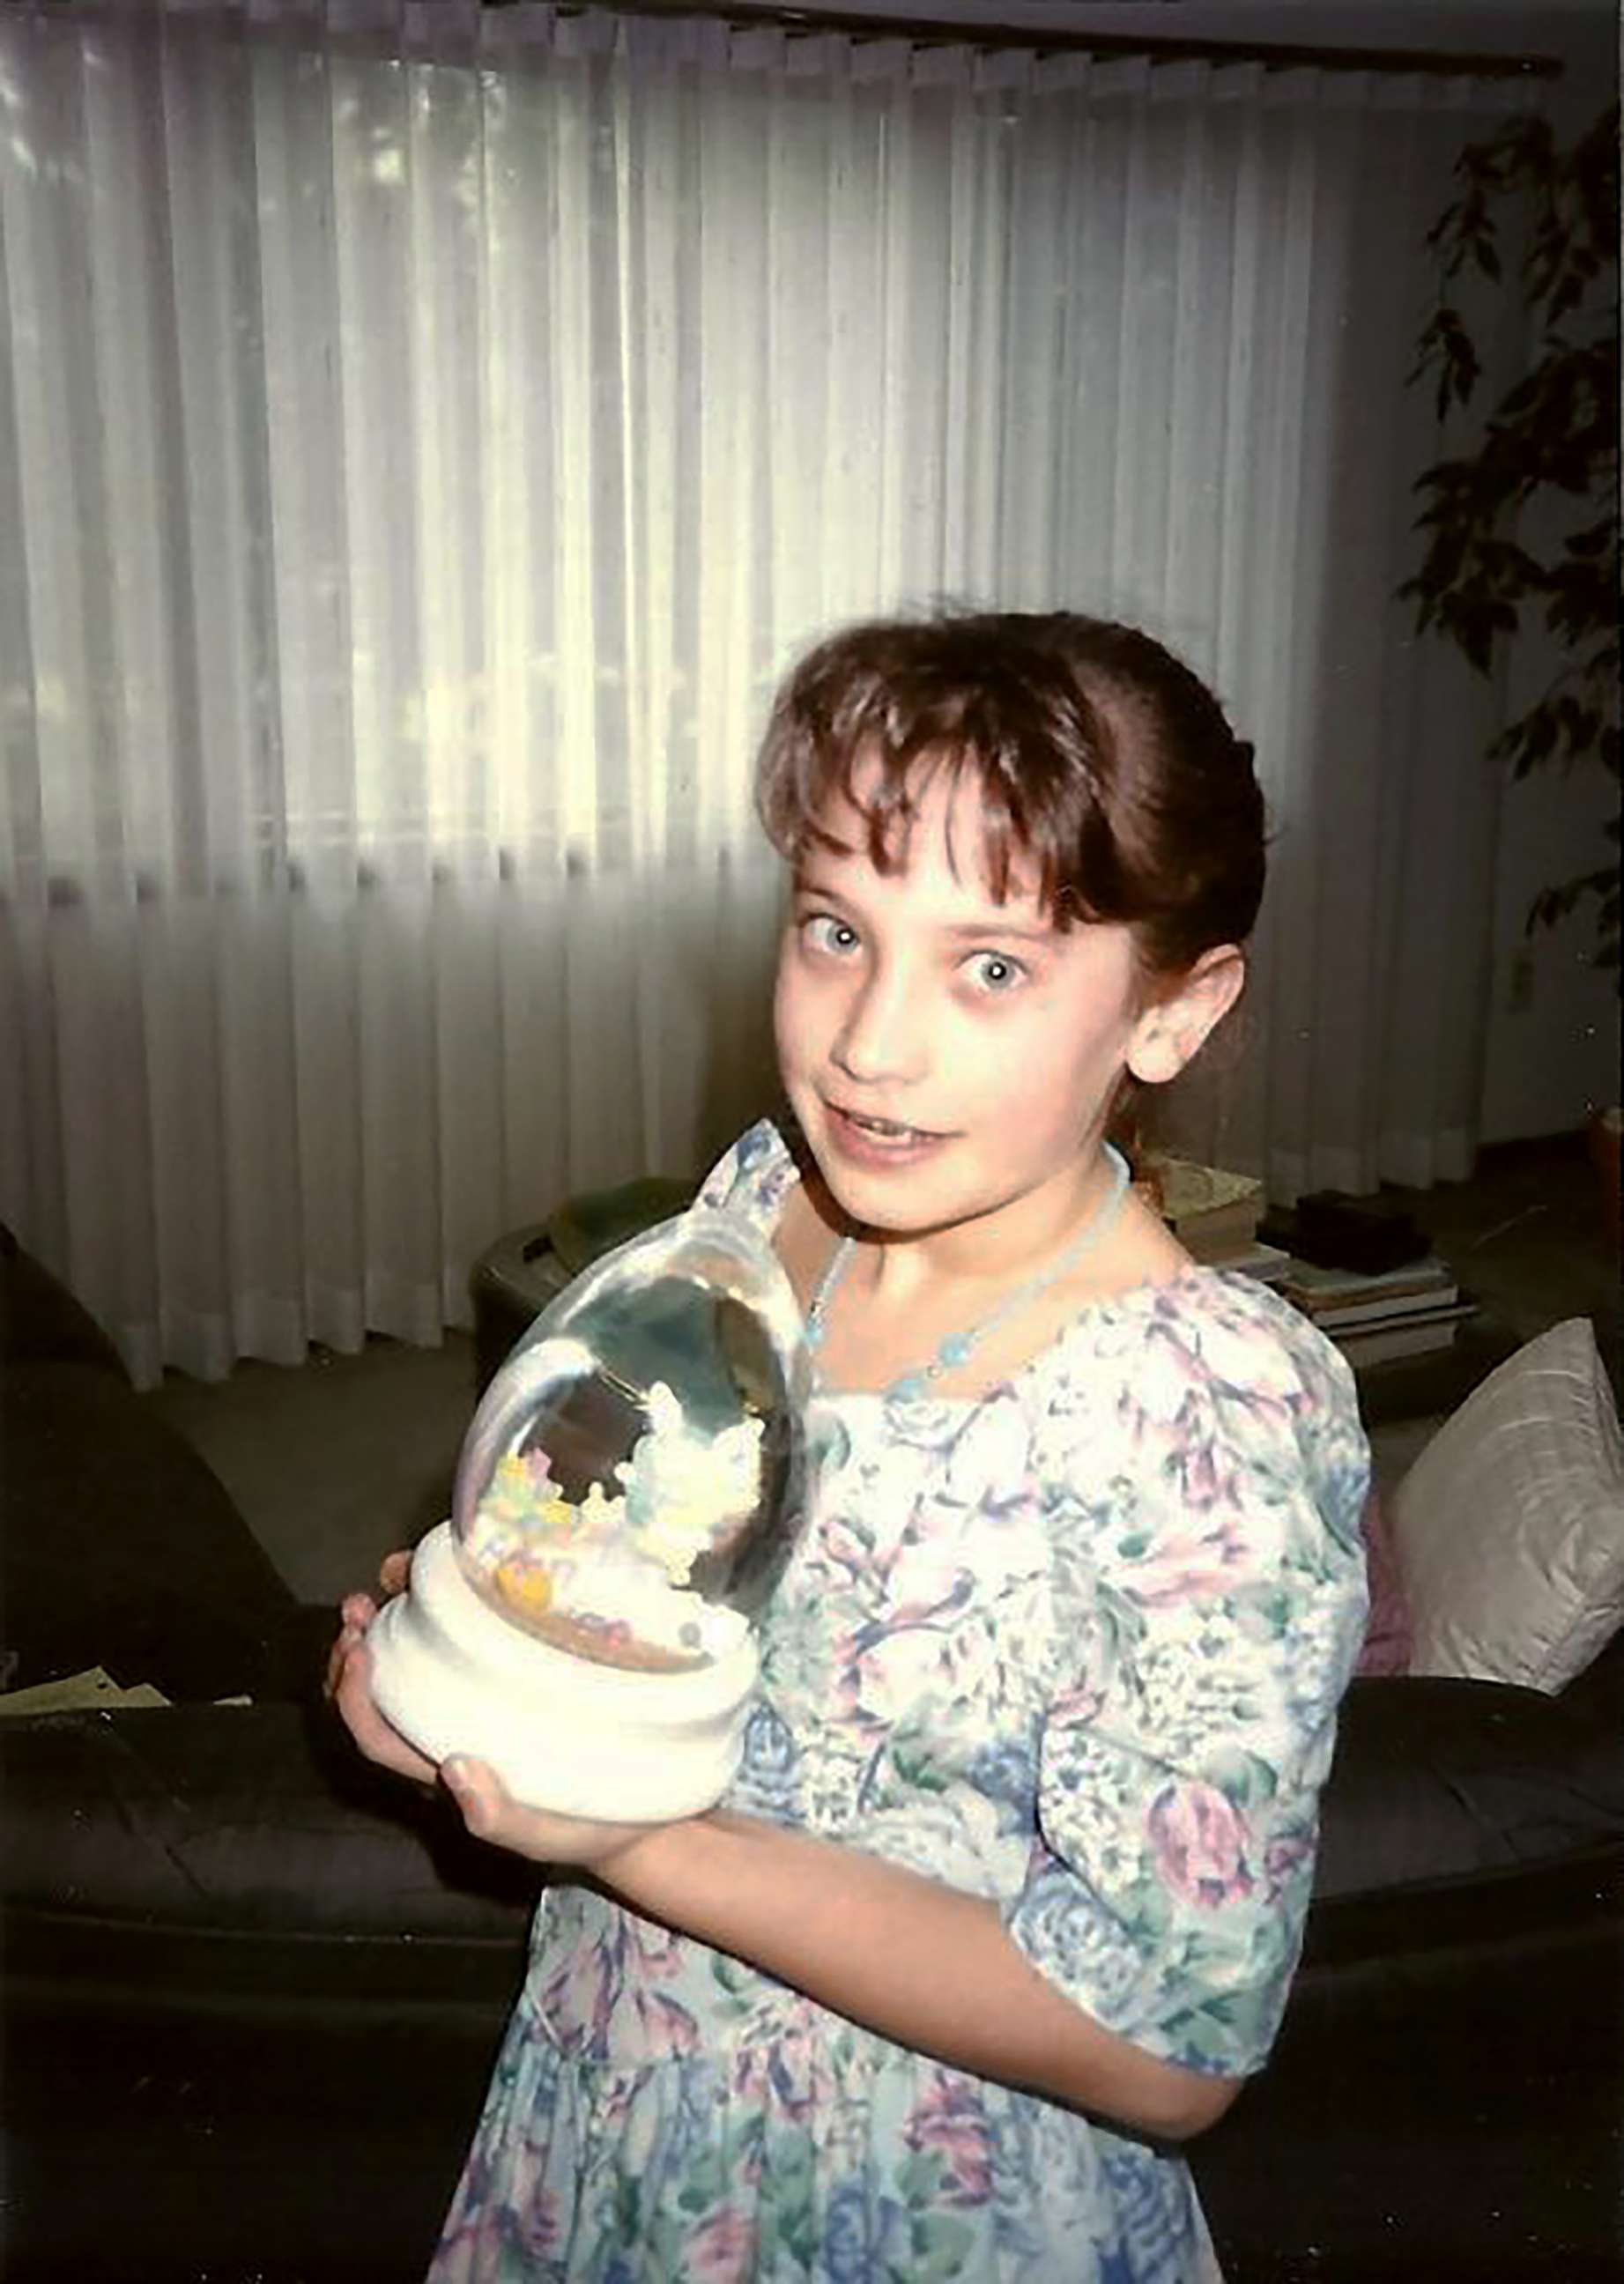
x: 1523, y: 525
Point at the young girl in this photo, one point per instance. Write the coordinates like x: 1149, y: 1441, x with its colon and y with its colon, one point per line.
x: 1006, y: 1898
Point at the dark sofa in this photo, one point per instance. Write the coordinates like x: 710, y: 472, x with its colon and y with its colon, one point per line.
x: 250, y: 1989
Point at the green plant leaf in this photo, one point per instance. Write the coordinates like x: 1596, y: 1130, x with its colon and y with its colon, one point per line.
x: 1527, y: 741
x: 1552, y: 440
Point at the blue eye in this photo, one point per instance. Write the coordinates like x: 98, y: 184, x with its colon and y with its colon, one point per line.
x: 995, y: 973
x: 823, y: 932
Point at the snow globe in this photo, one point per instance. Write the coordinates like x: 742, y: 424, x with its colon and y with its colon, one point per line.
x: 625, y: 1500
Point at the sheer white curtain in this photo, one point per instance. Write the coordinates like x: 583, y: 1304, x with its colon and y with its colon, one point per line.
x: 424, y: 436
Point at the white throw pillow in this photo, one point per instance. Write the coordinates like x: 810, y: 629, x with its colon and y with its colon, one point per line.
x: 1509, y: 1528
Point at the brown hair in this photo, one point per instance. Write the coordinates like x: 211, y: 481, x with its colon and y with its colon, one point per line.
x: 1100, y: 756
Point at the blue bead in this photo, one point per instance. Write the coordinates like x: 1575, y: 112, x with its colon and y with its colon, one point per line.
x: 909, y: 1389
x: 956, y: 1348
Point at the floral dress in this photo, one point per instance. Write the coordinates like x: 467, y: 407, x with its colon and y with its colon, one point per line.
x: 1074, y: 1646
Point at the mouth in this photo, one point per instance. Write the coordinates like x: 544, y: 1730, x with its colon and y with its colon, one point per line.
x: 882, y: 1133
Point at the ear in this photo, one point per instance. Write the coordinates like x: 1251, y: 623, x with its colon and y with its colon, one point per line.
x: 1168, y: 1033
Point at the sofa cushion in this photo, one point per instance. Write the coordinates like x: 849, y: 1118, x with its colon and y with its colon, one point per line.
x: 1509, y: 1528
x: 1387, y: 1634
x: 119, y: 1548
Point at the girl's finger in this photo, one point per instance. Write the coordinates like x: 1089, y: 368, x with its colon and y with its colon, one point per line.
x: 347, y: 1641
x: 353, y: 1696
x: 394, y: 1571
x: 479, y: 1793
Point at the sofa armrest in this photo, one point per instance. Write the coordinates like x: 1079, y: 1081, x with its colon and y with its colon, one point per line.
x: 1439, y: 1780
x: 120, y: 1547
x: 41, y: 1322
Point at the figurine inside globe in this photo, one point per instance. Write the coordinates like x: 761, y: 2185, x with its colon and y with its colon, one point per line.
x: 625, y: 1501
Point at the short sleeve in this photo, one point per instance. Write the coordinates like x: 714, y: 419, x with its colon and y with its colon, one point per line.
x: 1210, y: 1601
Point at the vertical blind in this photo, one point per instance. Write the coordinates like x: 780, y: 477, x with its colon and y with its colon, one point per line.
x: 426, y: 434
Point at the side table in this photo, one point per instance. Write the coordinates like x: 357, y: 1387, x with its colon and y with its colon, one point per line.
x: 514, y: 1281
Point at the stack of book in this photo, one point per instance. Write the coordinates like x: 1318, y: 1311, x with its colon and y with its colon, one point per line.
x: 1404, y: 1312
x: 1215, y: 1215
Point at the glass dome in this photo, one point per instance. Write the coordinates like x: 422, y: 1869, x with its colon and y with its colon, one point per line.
x: 627, y: 1490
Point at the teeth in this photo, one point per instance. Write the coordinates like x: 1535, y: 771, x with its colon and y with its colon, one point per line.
x: 882, y: 1126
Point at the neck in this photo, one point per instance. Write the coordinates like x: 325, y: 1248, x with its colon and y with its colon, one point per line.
x: 993, y: 1250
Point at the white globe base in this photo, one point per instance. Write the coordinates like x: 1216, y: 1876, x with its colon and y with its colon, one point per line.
x: 561, y: 1733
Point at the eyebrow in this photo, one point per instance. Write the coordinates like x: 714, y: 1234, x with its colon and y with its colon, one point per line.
x: 994, y: 928
x: 803, y: 883
x: 1005, y: 930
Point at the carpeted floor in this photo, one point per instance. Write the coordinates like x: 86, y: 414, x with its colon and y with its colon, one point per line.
x: 335, y: 1462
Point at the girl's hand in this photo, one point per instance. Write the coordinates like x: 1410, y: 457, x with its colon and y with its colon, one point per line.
x: 349, y: 1686
x: 356, y: 1613
x: 487, y: 1807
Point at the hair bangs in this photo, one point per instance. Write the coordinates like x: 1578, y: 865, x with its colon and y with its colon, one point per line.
x: 873, y: 753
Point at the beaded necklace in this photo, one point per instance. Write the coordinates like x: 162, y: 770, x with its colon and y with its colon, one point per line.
x: 956, y: 1347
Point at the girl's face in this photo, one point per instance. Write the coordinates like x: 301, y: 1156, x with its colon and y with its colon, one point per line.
x: 946, y: 1055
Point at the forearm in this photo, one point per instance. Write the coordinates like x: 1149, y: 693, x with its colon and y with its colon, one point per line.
x: 921, y: 1963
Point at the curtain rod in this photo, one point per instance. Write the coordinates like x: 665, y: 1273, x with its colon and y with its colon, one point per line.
x: 926, y: 31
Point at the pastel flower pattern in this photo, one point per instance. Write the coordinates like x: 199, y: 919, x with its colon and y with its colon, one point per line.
x: 1075, y: 1646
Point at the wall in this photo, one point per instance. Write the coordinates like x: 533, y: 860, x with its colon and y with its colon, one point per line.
x: 1553, y: 1052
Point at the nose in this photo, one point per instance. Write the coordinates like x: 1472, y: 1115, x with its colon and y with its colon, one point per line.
x: 880, y: 1037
